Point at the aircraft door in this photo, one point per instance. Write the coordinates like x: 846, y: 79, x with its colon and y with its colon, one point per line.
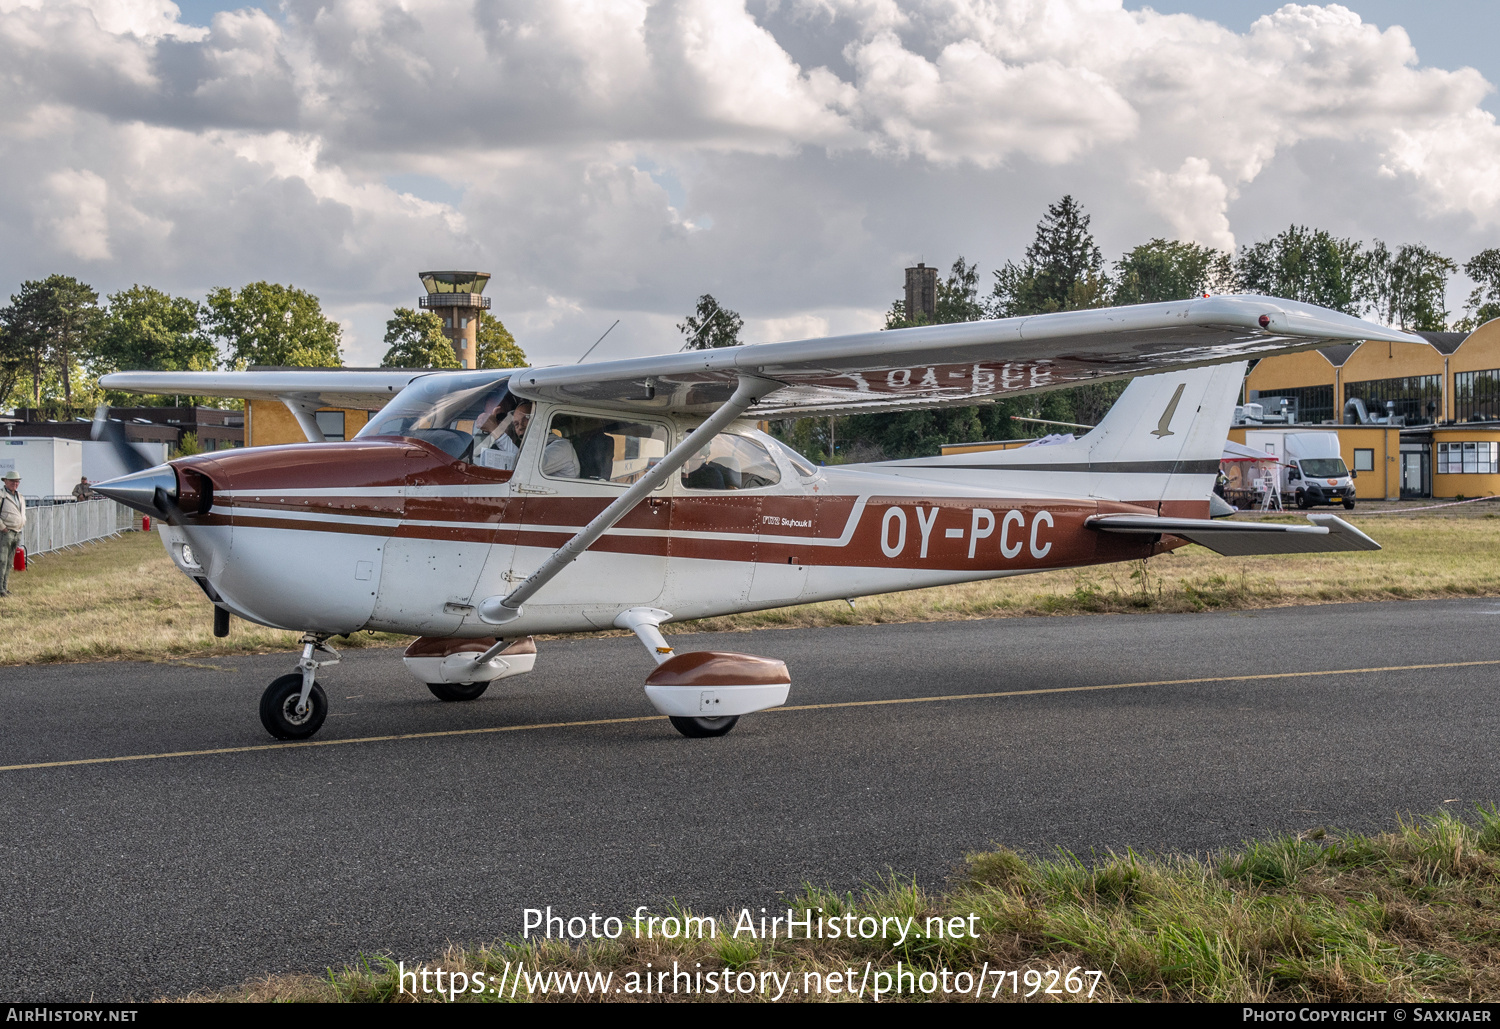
x: 572, y: 466
x: 453, y: 531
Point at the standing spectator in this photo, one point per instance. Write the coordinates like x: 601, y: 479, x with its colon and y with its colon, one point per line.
x: 82, y: 491
x: 13, y: 520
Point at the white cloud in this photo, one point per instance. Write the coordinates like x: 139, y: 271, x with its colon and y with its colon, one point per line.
x: 260, y: 147
x: 76, y: 213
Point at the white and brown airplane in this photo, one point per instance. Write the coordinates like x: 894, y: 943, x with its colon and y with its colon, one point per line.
x: 480, y: 508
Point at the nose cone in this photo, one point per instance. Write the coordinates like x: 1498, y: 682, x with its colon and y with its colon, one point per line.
x: 138, y: 489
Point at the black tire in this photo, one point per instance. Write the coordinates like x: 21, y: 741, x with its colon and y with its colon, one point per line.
x: 278, y: 708
x: 1302, y: 502
x: 703, y: 728
x: 456, y: 690
x: 1348, y: 505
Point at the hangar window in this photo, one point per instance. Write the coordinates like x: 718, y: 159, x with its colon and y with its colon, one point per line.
x: 331, y: 424
x: 1476, y: 396
x: 1468, y: 458
x: 1312, y: 405
x: 1416, y: 398
x: 1364, y: 459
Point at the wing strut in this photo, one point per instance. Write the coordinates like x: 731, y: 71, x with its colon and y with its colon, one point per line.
x: 305, y: 411
x: 499, y: 610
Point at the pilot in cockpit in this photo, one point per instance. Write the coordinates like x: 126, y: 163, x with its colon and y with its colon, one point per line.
x: 499, y: 432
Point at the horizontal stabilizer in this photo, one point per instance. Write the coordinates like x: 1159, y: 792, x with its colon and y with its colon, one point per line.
x: 1327, y: 534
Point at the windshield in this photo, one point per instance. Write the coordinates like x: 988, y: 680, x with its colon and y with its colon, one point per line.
x: 440, y: 411
x: 1323, y: 467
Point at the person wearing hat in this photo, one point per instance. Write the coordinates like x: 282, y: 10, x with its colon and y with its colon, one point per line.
x: 12, y: 521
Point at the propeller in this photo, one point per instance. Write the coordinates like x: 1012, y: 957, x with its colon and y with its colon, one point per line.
x: 148, y: 488
x: 112, y: 431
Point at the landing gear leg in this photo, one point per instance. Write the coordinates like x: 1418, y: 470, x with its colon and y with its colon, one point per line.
x: 294, y: 706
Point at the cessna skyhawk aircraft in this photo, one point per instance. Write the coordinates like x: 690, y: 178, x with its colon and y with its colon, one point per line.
x: 477, y: 509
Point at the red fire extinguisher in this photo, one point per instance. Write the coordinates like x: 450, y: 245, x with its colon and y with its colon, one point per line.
x: 20, y: 561
x: 145, y: 523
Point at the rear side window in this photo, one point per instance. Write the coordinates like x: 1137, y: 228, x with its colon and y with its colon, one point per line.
x: 601, y: 450
x: 730, y: 462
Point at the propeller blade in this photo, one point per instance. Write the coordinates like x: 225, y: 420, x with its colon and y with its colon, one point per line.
x: 112, y: 431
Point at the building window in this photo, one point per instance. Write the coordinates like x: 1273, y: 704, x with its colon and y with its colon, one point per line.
x: 1364, y: 459
x: 1418, y: 398
x: 1314, y: 404
x: 1468, y: 458
x: 1476, y: 396
x: 463, y: 344
x: 331, y: 424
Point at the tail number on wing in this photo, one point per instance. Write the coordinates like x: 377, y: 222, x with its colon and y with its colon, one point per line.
x: 1014, y: 536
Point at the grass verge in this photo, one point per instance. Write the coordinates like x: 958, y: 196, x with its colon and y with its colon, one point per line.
x: 123, y: 599
x: 1410, y: 915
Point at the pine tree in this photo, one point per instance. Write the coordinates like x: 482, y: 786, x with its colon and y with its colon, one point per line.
x: 1063, y: 270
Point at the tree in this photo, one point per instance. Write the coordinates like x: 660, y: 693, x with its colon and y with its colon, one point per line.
x: 1305, y: 264
x: 269, y: 324
x: 14, y: 358
x: 1408, y: 288
x: 146, y: 328
x: 56, y: 322
x: 1064, y: 268
x: 957, y: 300
x: 1171, y: 270
x: 417, y: 341
x: 711, y: 326
x: 1484, y: 300
x: 495, y: 347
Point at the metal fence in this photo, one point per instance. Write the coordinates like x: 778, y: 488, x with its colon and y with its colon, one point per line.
x: 60, y: 526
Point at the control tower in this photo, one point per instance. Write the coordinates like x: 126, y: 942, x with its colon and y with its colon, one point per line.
x: 455, y: 298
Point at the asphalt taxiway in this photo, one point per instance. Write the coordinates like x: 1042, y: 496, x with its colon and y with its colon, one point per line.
x: 159, y: 842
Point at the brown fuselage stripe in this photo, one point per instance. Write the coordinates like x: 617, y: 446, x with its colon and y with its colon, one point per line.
x: 799, y: 707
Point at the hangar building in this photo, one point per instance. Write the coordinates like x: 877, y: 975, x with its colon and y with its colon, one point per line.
x: 1413, y: 420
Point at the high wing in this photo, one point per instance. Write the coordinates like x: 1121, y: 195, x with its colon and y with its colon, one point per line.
x: 923, y: 367
x: 321, y: 387
x: 1328, y: 533
x: 964, y: 363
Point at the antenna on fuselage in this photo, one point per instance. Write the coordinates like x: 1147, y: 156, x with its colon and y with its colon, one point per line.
x: 590, y: 350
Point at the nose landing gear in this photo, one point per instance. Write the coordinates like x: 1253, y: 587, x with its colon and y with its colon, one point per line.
x: 294, y: 705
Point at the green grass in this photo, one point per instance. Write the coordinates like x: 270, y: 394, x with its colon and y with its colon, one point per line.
x: 1324, y: 916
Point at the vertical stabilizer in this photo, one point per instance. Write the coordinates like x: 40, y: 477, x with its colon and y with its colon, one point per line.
x: 1158, y: 446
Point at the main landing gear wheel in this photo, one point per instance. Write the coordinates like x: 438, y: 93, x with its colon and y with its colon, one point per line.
x: 278, y: 708
x: 703, y: 728
x: 457, y: 690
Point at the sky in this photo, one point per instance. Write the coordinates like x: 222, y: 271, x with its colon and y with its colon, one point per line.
x: 615, y: 159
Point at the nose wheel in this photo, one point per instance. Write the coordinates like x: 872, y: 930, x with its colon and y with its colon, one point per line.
x: 294, y: 705
x: 283, y: 712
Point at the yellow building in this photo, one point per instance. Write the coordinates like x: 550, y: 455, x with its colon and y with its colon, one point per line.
x: 268, y: 423
x: 1414, y: 420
